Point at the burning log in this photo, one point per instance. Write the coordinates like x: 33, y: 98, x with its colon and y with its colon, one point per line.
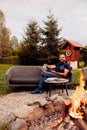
x: 85, y: 114
x: 80, y: 123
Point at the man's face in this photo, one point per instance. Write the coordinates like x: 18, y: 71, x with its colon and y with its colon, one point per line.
x: 62, y: 58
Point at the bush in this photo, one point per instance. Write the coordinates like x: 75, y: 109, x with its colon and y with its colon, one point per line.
x: 81, y: 64
x: 41, y: 61
x: 10, y: 60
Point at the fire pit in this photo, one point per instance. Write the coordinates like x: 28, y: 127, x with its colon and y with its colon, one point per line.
x: 57, y: 114
x: 75, y: 117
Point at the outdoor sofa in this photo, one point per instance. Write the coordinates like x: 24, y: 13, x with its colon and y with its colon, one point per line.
x: 23, y: 76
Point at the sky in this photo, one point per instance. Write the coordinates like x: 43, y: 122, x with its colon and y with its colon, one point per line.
x: 70, y: 14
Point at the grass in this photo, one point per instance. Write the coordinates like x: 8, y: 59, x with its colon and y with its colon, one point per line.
x: 4, y: 126
x: 3, y: 86
x: 76, y: 78
x: 76, y: 75
x: 5, y: 67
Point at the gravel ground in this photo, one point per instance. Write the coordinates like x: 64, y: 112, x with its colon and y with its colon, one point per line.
x: 9, y: 102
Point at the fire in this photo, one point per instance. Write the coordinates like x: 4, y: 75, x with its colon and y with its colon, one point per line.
x: 77, y: 97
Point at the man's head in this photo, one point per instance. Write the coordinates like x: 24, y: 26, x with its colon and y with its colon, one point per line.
x: 62, y: 58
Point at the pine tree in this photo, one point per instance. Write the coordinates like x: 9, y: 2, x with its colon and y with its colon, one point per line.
x: 51, y: 38
x: 29, y: 50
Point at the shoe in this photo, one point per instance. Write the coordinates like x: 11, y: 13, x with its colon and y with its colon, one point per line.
x: 37, y: 91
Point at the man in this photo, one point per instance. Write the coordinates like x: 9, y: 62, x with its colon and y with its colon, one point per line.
x: 59, y: 70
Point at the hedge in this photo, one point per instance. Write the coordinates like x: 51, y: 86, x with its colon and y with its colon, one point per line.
x: 10, y: 60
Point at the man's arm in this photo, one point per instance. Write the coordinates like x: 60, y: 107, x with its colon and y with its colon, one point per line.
x: 51, y: 66
x: 60, y: 73
x: 48, y: 66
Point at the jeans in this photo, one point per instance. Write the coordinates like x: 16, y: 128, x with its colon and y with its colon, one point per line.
x: 46, y: 74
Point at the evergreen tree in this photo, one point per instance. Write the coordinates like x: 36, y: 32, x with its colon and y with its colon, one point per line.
x: 51, y: 40
x: 29, y: 49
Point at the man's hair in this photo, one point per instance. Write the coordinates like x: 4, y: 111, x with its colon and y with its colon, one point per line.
x: 62, y: 54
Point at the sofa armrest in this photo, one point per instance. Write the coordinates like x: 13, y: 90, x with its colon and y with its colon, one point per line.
x: 9, y: 74
x: 84, y: 70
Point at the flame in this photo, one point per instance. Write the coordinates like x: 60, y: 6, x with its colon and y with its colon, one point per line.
x: 77, y: 97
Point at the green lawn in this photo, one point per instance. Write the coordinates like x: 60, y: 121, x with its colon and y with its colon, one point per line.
x: 76, y: 78
x: 3, y: 86
x: 5, y: 67
x: 76, y: 75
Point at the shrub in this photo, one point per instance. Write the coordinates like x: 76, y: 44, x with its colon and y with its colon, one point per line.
x: 10, y: 60
x: 81, y: 64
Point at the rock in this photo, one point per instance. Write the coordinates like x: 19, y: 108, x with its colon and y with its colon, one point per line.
x: 59, y: 104
x: 49, y: 108
x: 42, y: 102
x: 36, y: 113
x: 18, y: 124
x: 29, y: 112
x: 53, y: 97
x: 22, y: 112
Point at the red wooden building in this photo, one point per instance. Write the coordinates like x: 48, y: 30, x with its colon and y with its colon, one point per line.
x: 72, y: 52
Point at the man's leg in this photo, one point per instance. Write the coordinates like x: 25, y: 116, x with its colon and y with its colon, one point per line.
x: 39, y: 89
x: 49, y: 75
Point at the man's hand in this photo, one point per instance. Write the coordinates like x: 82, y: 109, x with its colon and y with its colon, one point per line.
x: 53, y: 71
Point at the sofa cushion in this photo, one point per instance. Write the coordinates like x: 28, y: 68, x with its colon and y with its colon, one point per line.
x: 24, y: 80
